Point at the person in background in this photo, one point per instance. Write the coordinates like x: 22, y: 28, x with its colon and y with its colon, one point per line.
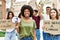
x: 27, y: 25
x: 46, y: 15
x: 40, y: 13
x: 37, y: 20
x: 19, y: 17
x: 10, y: 32
x: 16, y: 20
x: 53, y: 16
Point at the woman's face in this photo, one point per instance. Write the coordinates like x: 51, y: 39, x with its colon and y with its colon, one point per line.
x: 26, y: 13
x: 10, y: 15
x: 53, y: 14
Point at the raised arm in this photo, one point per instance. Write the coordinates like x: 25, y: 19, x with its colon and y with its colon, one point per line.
x: 40, y: 9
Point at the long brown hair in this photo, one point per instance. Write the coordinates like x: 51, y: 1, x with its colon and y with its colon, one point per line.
x: 56, y: 13
x: 9, y: 14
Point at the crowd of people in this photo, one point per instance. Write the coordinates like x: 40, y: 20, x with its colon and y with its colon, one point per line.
x: 28, y: 23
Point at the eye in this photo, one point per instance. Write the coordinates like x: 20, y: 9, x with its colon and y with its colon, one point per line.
x: 53, y: 12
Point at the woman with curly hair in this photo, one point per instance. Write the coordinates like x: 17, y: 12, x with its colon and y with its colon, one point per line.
x: 27, y: 25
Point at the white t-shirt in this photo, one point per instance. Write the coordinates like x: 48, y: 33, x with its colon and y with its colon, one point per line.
x: 14, y: 20
x: 46, y: 17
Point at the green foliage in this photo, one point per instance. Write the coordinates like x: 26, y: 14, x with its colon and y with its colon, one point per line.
x: 2, y: 34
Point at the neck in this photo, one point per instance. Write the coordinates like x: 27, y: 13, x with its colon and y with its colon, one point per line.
x: 26, y: 18
x: 10, y: 18
x: 47, y: 13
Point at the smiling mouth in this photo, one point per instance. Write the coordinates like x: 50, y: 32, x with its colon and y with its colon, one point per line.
x: 27, y: 14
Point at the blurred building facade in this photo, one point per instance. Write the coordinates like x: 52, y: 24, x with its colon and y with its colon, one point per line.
x: 16, y: 6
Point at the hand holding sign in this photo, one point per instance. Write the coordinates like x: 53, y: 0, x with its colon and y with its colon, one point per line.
x: 52, y: 27
x: 6, y: 24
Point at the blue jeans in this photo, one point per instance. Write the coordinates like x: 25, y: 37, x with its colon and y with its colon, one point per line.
x: 27, y: 38
x: 54, y: 37
x: 38, y: 34
x: 47, y: 36
x: 10, y: 35
x: 59, y: 37
x: 18, y: 35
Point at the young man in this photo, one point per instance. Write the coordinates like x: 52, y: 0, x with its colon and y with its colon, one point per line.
x: 37, y: 20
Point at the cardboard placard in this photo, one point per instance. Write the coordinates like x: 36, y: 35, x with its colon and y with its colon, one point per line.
x: 52, y: 27
x: 6, y: 24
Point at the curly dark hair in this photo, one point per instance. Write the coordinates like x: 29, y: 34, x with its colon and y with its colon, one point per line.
x: 19, y: 15
x: 9, y: 14
x: 26, y: 7
x: 56, y: 13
